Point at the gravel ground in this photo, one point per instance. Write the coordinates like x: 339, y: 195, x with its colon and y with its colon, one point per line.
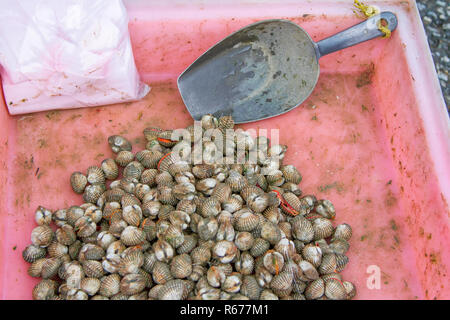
x: 435, y: 16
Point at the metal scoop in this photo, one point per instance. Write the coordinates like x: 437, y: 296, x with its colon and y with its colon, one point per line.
x: 265, y: 69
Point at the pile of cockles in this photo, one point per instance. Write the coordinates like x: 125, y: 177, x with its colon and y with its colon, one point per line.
x: 166, y: 223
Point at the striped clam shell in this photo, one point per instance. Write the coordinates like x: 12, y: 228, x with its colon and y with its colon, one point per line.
x: 341, y: 262
x: 291, y: 174
x: 273, y: 214
x: 286, y: 248
x: 236, y: 181
x: 151, y: 133
x: 309, y: 272
x: 350, y: 289
x: 78, y: 181
x: 292, y: 188
x: 233, y: 203
x: 42, y: 236
x: 281, y: 284
x: 110, y: 285
x: 93, y: 268
x: 123, y: 158
x: 173, y: 290
x: 268, y: 295
x: 245, y: 264
x: 244, y: 240
x: 245, y: 220
x: 250, y: 287
x: 95, y: 175
x: 148, y: 177
x: 161, y: 272
x: 273, y: 261
x: 133, y: 170
x: 343, y: 231
x: 335, y: 290
x: 50, y: 267
x: 339, y: 246
x: 110, y: 169
x: 57, y: 250
x: 323, y: 228
x: 119, y: 143
x: 93, y: 192
x: 260, y: 246
x: 189, y: 243
x: 315, y: 289
x: 203, y: 171
x: 45, y: 290
x: 224, y: 251
x: 271, y: 232
x: 181, y: 266
x: 209, y: 207
x: 132, y: 215
x: 221, y: 192
x: 32, y: 253
x: 326, y: 209
x: 312, y: 254
x: 132, y: 284
x: 165, y: 195
x: 149, y: 159
x: 207, y: 228
x: 328, y: 264
x: 165, y: 138
x: 90, y: 285
x: 43, y: 216
x: 302, y: 229
x: 132, y: 236
x: 174, y: 236
x: 294, y: 204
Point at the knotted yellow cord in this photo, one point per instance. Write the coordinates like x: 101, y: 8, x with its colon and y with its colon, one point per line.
x: 370, y: 11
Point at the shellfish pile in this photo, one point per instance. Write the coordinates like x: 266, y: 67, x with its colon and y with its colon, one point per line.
x: 173, y: 229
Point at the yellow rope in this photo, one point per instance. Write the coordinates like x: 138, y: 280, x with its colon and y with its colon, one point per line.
x: 370, y: 11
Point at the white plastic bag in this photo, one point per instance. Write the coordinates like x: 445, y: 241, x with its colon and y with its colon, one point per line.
x: 60, y: 54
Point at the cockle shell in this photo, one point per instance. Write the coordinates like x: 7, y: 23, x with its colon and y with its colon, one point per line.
x: 315, y: 289
x: 93, y: 192
x: 281, y: 284
x: 110, y: 285
x: 244, y: 240
x: 181, y: 266
x: 32, y: 253
x: 291, y: 174
x: 119, y: 143
x: 78, y: 182
x: 132, y: 236
x: 132, y: 284
x: 95, y: 175
x: 110, y: 169
x: 44, y: 290
x: 90, y: 285
x: 342, y: 231
x: 250, y: 287
x: 161, y: 273
x: 270, y: 232
x: 224, y: 251
x: 42, y: 236
x: 260, y: 246
x: 124, y: 157
x: 302, y: 229
x: 335, y: 290
x: 43, y: 216
x: 245, y: 220
x: 312, y: 254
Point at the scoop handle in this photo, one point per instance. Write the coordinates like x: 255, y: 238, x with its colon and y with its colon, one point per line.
x: 364, y: 31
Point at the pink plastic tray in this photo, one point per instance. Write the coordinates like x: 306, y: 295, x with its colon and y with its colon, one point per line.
x: 378, y: 150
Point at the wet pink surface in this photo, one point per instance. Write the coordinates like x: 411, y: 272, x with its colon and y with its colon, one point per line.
x: 358, y: 140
